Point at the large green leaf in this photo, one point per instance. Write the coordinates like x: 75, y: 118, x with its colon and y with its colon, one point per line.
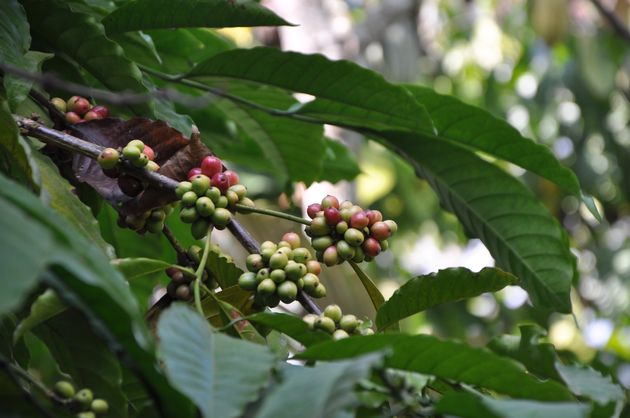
x: 15, y: 154
x: 468, y: 405
x: 585, y: 381
x: 517, y: 229
x: 35, y: 239
x: 167, y: 14
x: 223, y: 269
x: 59, y: 195
x: 83, y: 39
x: 133, y: 268
x: 45, y: 307
x: 294, y: 149
x: 478, y: 130
x: 346, y: 93
x: 339, y: 163
x: 447, y: 285
x: 83, y: 356
x: 208, y: 367
x: 445, y: 359
x: 290, y: 325
x: 326, y: 390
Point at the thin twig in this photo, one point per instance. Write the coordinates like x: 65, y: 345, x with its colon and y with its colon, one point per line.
x: 274, y: 213
x: 182, y: 255
x: 614, y: 21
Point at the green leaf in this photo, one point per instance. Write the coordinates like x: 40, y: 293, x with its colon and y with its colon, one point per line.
x: 166, y: 14
x: 294, y: 149
x: 339, y: 163
x: 375, y: 295
x: 15, y: 41
x: 82, y: 355
x: 242, y: 329
x: 59, y: 195
x: 46, y: 306
x: 36, y: 239
x: 467, y: 405
x: 585, y: 381
x: 447, y: 285
x: 81, y: 38
x: 132, y: 268
x: 208, y: 367
x: 290, y: 325
x: 346, y: 93
x: 326, y: 390
x: 444, y: 359
x: 223, y: 269
x: 517, y: 229
x: 15, y: 154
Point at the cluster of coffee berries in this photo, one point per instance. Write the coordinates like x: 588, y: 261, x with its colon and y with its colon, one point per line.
x: 82, y: 402
x: 210, y: 196
x: 140, y: 155
x: 180, y: 286
x: 280, y: 271
x: 78, y: 109
x: 150, y: 221
x: 334, y: 322
x: 345, y: 231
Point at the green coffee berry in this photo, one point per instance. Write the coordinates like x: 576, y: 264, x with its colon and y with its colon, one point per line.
x: 204, y: 206
x: 287, y: 291
x: 284, y: 244
x: 137, y: 144
x: 214, y: 194
x: 221, y: 217
x: 188, y: 215
x: 154, y: 227
x: 330, y: 256
x: 254, y: 262
x: 182, y: 188
x: 239, y: 189
x: 367, y: 331
x: 108, y: 158
x: 194, y: 252
x: 354, y: 237
x: 278, y: 275
x: 263, y: 274
x: 319, y: 292
x: 310, y: 320
x: 278, y: 261
x: 339, y: 335
x: 246, y: 201
x: 310, y: 282
x: 301, y: 255
x: 295, y: 270
x: 393, y: 226
x: 266, y: 253
x: 189, y: 199
x: 59, y: 103
x: 345, y: 251
x: 232, y: 198
x: 199, y: 228
x: 222, y: 202
x: 266, y: 287
x: 268, y: 244
x: 325, y: 324
x: 384, y: 245
x: 359, y: 255
x: 300, y: 283
x: 84, y: 397
x: 286, y: 251
x: 348, y: 323
x: 141, y: 161
x: 248, y: 281
x: 319, y: 227
x: 152, y: 166
x: 321, y: 243
x: 341, y: 227
x: 86, y: 414
x: 333, y: 312
x: 99, y: 406
x: 131, y: 153
x: 157, y: 215
x: 64, y: 389
x: 200, y: 184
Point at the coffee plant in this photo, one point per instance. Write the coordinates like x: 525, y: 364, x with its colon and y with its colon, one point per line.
x: 134, y: 125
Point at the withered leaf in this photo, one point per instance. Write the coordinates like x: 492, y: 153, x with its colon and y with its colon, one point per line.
x: 174, y: 153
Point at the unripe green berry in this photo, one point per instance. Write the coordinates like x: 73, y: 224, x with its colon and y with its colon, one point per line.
x: 339, y: 335
x: 333, y: 312
x: 222, y: 202
x: 269, y: 244
x: 221, y: 217
x: 262, y: 274
x: 189, y: 199
x: 266, y: 253
x: 137, y: 144
x: 278, y: 261
x: 321, y: 243
x: 384, y: 245
x: 346, y: 204
x: 214, y: 194
x: 141, y: 161
x: 301, y: 255
x: 134, y: 222
x: 300, y: 283
x: 152, y: 166
x: 367, y: 331
x: 188, y: 215
x: 131, y: 153
x: 246, y: 201
x: 341, y: 227
x: 393, y: 226
x: 354, y: 237
x: 254, y: 262
x: 266, y: 287
x: 200, y: 184
x: 204, y: 206
x: 286, y: 251
x: 194, y: 252
x: 64, y: 389
x: 345, y: 251
x: 232, y: 198
x: 182, y: 188
x: 99, y: 406
x: 278, y: 275
x: 330, y: 202
x: 320, y: 291
x: 310, y: 320
x: 325, y: 324
x: 294, y: 271
x: 359, y: 255
x: 248, y: 281
x: 311, y: 281
x: 108, y: 158
x: 154, y: 227
x: 86, y: 414
x: 287, y: 291
x: 239, y: 189
x: 59, y: 103
x: 319, y: 227
x: 330, y: 256
x: 348, y: 323
x: 84, y: 397
x: 284, y: 244
x: 199, y: 228
x: 157, y: 215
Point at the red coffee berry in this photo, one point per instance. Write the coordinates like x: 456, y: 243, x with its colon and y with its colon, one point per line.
x: 102, y: 111
x: 374, y: 216
x: 91, y: 116
x: 380, y: 231
x: 330, y: 256
x: 371, y: 247
x: 211, y: 165
x: 232, y: 177
x: 359, y: 220
x: 330, y: 202
x: 332, y: 215
x: 312, y: 210
x: 148, y: 151
x: 72, y: 118
x: 194, y: 172
x: 78, y: 105
x: 221, y: 182
x: 292, y: 238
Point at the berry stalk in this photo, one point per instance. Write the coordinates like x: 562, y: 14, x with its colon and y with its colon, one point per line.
x: 200, y: 269
x: 271, y: 212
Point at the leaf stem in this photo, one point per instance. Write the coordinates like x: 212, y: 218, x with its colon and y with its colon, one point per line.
x: 200, y: 270
x: 274, y: 213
